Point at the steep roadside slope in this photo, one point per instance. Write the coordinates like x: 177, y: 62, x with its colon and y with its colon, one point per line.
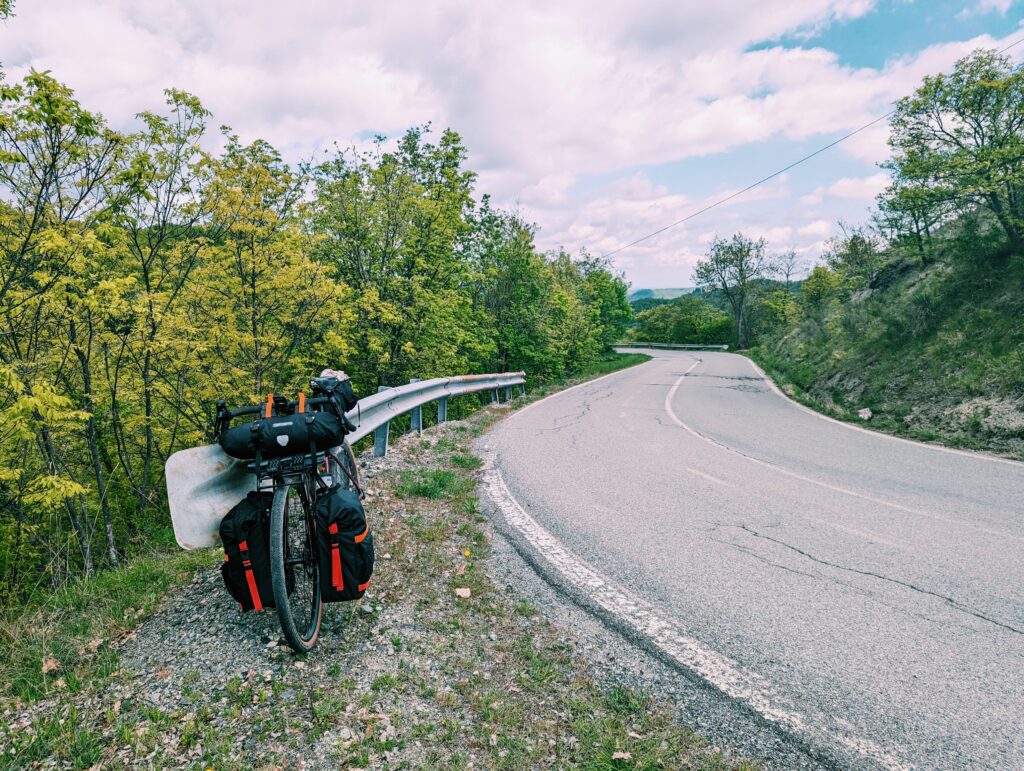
x: 936, y: 354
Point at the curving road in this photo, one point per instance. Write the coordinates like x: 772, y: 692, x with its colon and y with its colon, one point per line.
x: 863, y: 593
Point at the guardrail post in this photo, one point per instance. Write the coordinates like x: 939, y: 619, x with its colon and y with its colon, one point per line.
x: 508, y: 393
x: 494, y: 396
x: 442, y: 409
x: 380, y: 436
x: 522, y: 389
x: 416, y: 414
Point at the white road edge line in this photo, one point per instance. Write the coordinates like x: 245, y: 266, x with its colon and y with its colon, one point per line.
x: 644, y: 620
x: 811, y: 480
x: 937, y: 448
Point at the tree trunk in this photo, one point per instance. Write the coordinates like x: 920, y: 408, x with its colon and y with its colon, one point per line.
x: 101, y: 484
x: 76, y: 522
x: 147, y: 460
x: 92, y: 438
x: 1010, y: 227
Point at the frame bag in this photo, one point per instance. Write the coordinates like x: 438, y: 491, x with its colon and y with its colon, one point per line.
x: 246, y: 567
x: 345, y: 545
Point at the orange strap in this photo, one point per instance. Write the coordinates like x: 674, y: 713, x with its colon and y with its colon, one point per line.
x: 249, y: 577
x: 362, y: 535
x: 270, y: 405
x: 337, y: 579
x: 362, y: 587
x: 302, y: 402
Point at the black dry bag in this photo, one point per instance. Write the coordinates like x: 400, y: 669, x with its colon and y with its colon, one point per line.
x: 246, y: 567
x: 345, y: 545
x: 276, y: 437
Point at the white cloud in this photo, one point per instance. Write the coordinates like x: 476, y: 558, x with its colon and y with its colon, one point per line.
x: 545, y: 95
x: 981, y: 7
x: 817, y: 229
x: 859, y: 188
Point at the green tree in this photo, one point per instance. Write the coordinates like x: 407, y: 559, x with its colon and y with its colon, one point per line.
x: 958, y: 139
x: 688, y: 319
x: 165, y: 223
x: 55, y: 158
x: 732, y: 267
x: 608, y: 294
x: 856, y: 256
x: 142, y: 278
x: 389, y: 223
x: 817, y: 291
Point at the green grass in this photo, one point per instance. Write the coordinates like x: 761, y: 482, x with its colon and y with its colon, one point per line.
x: 433, y: 483
x: 74, y: 626
x: 611, y: 362
x: 465, y: 460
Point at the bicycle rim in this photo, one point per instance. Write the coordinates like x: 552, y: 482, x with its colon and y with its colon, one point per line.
x: 294, y: 568
x: 349, y: 480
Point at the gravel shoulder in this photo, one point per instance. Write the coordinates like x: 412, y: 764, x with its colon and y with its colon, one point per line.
x: 615, y: 659
x: 449, y: 661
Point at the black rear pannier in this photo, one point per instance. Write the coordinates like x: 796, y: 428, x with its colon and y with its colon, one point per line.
x: 345, y: 545
x: 246, y: 568
x: 285, y: 435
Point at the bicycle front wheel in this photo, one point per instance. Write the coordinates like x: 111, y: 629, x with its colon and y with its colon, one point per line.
x: 294, y: 569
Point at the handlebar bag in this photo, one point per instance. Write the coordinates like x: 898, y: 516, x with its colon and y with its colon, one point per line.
x: 340, y: 391
x: 344, y: 545
x: 277, y: 437
x: 246, y: 566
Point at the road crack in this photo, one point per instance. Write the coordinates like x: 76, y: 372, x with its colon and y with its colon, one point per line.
x: 907, y: 585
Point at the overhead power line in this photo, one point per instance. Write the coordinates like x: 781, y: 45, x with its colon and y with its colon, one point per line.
x: 771, y: 176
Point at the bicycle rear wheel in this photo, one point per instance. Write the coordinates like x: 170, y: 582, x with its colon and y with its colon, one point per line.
x: 294, y: 568
x: 348, y: 474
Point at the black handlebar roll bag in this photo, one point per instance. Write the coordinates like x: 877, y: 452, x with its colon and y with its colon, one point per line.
x: 277, y: 437
x: 339, y: 389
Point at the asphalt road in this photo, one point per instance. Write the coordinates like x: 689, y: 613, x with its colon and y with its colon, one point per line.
x: 872, y: 588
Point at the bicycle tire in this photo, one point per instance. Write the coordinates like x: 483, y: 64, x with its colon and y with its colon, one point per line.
x: 293, y: 550
x: 350, y: 480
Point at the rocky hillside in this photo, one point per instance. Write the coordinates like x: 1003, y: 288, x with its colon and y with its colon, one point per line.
x: 935, y: 352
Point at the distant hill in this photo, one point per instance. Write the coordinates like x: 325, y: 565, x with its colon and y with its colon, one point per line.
x: 659, y: 294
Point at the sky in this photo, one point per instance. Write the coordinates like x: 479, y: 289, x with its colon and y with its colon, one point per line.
x: 600, y: 122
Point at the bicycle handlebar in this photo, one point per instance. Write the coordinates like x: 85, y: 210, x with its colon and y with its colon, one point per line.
x: 279, y: 406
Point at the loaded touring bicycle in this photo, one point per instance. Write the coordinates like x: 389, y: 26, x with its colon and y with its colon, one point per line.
x: 298, y: 537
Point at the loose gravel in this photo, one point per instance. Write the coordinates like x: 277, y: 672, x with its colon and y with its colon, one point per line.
x: 446, y: 663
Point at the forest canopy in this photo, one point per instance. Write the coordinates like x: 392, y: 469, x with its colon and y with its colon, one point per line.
x: 144, y: 276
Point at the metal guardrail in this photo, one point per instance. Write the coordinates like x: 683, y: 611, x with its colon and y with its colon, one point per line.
x: 680, y: 346
x: 203, y: 483
x: 374, y: 413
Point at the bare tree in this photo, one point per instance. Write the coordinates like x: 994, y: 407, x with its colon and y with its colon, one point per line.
x: 788, y: 264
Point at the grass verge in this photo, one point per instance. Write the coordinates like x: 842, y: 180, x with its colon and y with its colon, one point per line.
x: 788, y: 376
x: 61, y: 643
x: 438, y: 666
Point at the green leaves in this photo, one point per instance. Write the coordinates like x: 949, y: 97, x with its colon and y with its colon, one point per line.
x: 958, y: 143
x: 142, y: 278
